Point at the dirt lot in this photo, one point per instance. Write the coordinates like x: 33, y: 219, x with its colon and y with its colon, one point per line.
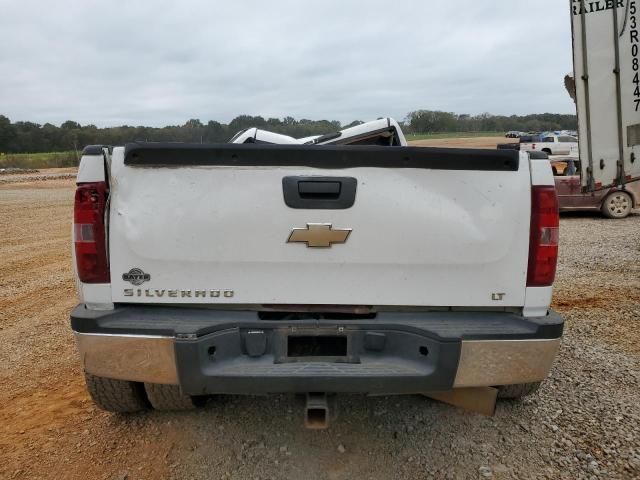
x: 584, y: 423
x: 472, y: 142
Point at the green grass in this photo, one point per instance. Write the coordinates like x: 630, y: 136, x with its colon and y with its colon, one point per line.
x: 38, y: 160
x: 437, y: 136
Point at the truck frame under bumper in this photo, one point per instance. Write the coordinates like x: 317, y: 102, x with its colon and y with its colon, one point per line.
x: 243, y: 352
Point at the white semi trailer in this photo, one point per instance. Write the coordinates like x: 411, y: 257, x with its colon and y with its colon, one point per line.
x: 606, y: 57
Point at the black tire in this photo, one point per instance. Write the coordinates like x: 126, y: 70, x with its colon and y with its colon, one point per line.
x: 547, y: 151
x: 518, y: 391
x: 117, y: 396
x: 168, y: 397
x: 617, y: 205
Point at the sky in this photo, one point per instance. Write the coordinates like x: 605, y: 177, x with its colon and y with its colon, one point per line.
x: 156, y: 63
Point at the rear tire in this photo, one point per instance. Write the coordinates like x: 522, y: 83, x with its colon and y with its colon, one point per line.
x: 168, y: 397
x: 547, y: 151
x: 117, y: 396
x: 617, y: 205
x: 518, y: 391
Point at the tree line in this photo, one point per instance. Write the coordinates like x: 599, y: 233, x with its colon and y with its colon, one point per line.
x: 428, y: 121
x: 30, y: 137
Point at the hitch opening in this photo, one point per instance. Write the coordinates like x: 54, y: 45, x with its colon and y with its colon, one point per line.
x: 316, y: 411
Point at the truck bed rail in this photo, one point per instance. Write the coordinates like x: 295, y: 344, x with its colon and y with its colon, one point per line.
x: 327, y: 157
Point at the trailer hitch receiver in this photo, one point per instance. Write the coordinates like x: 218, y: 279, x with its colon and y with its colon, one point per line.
x: 316, y: 411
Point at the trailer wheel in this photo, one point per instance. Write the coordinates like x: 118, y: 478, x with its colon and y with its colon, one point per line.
x: 518, y: 391
x: 617, y: 205
x: 168, y: 397
x: 118, y: 396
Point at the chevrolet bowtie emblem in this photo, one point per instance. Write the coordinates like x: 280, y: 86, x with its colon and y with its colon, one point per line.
x: 319, y: 235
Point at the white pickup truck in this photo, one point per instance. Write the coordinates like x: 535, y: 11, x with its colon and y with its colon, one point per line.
x: 352, y: 263
x: 552, y: 145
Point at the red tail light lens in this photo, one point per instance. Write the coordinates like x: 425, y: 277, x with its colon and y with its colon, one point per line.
x: 90, y: 232
x: 545, y: 235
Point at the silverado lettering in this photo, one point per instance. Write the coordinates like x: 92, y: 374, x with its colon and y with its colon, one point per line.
x: 155, y: 293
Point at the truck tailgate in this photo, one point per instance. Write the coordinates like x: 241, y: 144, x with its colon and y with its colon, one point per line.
x: 428, y: 227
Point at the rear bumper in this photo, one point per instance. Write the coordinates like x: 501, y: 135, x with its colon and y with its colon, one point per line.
x: 236, y: 352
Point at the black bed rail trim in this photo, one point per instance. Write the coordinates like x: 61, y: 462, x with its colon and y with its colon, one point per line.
x: 328, y: 157
x: 94, y: 149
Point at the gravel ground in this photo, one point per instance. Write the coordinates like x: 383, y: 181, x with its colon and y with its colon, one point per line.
x: 15, y: 171
x: 35, y: 178
x: 583, y: 423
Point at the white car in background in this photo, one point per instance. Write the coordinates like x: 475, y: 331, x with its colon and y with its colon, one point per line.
x: 552, y: 144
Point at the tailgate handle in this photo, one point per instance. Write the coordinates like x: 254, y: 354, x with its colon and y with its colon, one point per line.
x: 319, y: 189
x: 319, y: 193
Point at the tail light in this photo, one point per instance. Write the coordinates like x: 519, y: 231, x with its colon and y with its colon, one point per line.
x: 90, y: 233
x: 545, y: 234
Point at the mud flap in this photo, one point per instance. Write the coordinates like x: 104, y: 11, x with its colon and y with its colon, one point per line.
x: 476, y: 399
